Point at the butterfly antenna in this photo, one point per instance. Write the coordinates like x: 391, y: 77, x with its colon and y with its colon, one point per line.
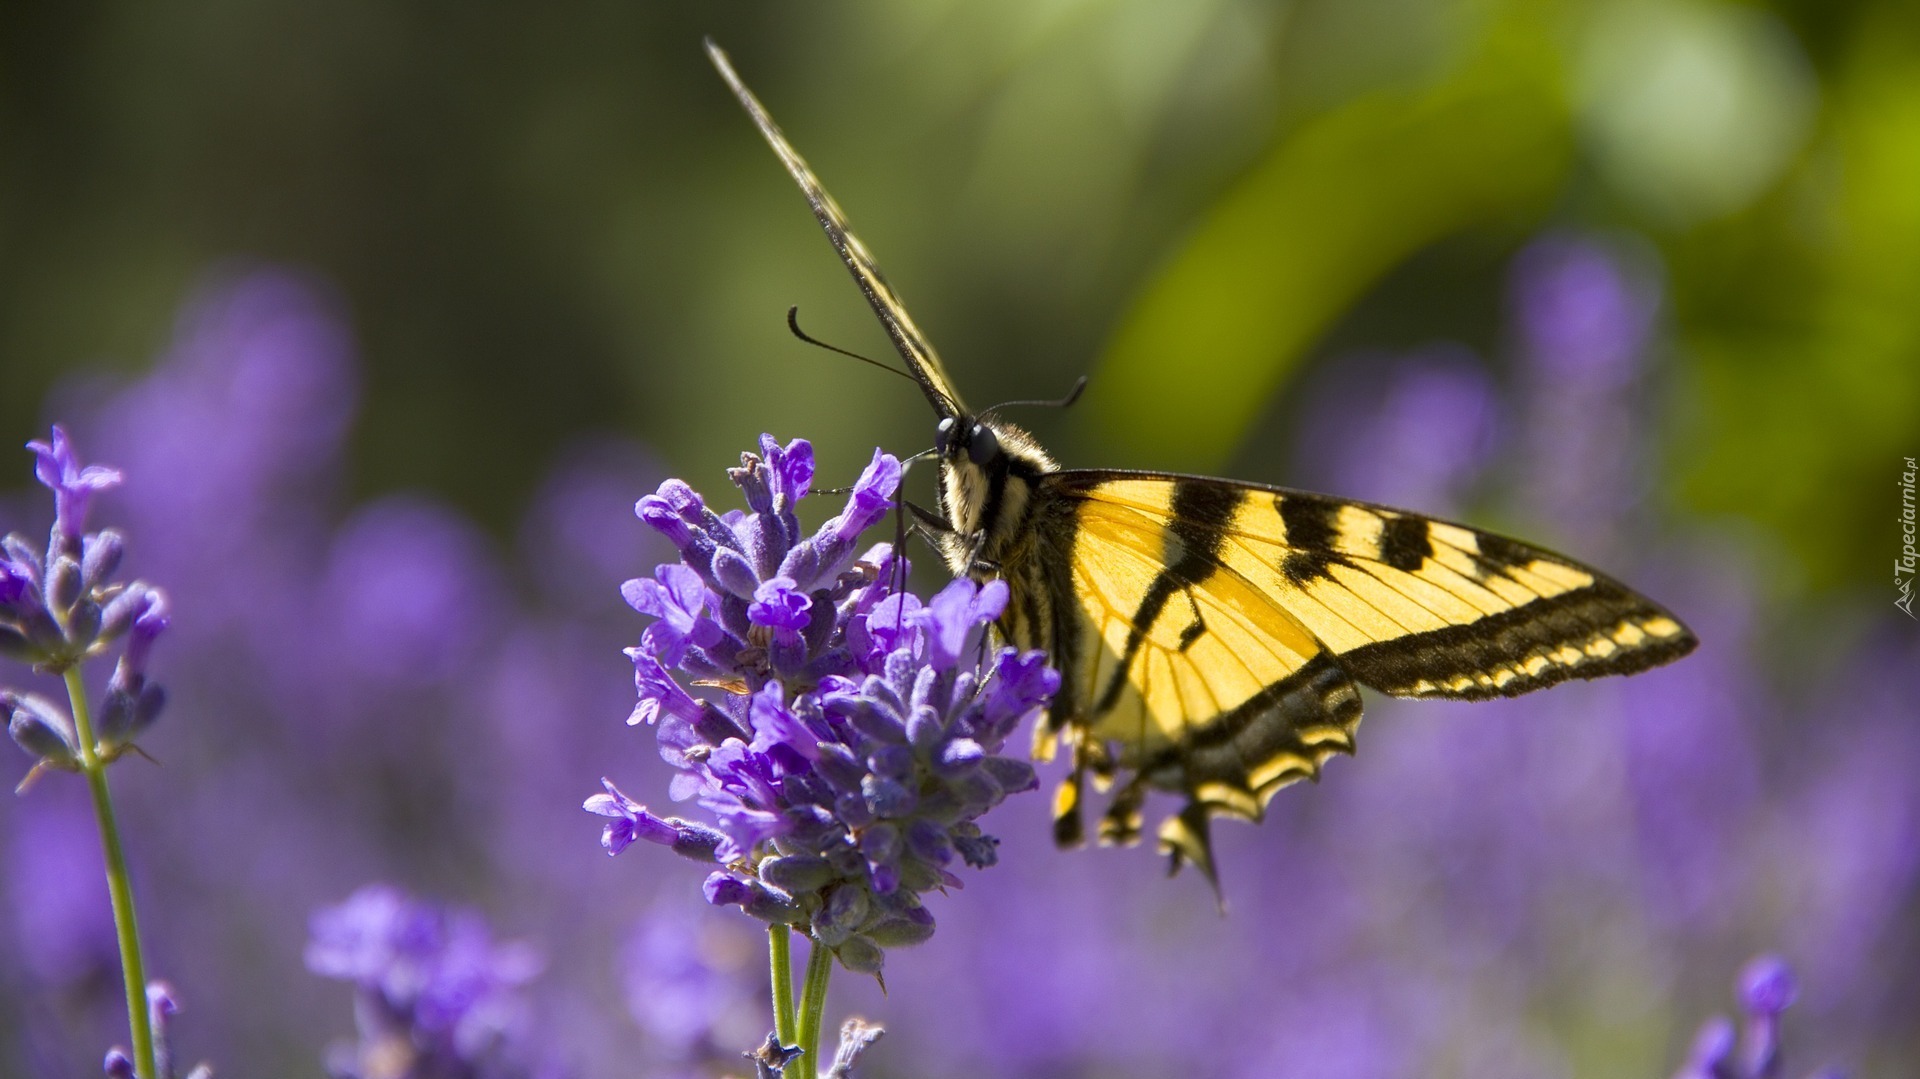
x: 1073, y: 395
x: 793, y: 323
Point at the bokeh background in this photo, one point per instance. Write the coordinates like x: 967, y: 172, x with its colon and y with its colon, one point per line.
x: 390, y: 311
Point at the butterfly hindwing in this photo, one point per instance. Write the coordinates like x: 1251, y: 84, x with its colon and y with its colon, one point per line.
x: 1215, y: 629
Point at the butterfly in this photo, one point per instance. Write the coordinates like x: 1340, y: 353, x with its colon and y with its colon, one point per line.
x: 1212, y: 635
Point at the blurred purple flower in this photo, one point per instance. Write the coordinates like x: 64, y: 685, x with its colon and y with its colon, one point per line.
x: 407, y: 592
x: 1765, y: 989
x: 695, y: 982
x: 1428, y: 420
x: 436, y: 995
x: 1583, y: 311
x: 1579, y: 313
x: 577, y: 531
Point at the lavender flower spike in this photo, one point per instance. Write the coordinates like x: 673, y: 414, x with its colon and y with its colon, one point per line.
x: 854, y: 746
x: 60, y: 606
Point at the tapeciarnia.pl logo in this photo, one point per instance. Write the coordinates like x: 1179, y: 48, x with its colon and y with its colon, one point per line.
x: 1903, y: 566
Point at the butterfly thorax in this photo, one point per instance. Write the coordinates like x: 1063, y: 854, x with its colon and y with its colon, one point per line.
x: 988, y: 473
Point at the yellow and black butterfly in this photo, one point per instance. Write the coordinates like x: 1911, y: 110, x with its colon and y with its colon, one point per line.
x: 1211, y: 635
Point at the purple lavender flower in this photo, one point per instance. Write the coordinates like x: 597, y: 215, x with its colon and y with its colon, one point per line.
x: 436, y: 995
x: 1428, y: 418
x: 61, y: 605
x: 1583, y: 312
x: 73, y: 485
x: 847, y: 766
x: 693, y: 982
x: 1766, y: 987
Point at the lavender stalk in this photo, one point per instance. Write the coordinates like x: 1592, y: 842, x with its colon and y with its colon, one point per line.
x: 126, y: 923
x: 58, y: 609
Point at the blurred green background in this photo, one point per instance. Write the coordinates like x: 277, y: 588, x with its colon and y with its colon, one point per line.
x: 547, y: 218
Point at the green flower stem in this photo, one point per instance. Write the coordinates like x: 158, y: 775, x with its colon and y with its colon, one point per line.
x: 813, y: 1004
x: 780, y: 954
x: 126, y: 926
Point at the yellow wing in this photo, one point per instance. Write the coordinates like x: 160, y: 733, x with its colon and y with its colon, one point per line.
x: 907, y: 338
x: 1210, y: 633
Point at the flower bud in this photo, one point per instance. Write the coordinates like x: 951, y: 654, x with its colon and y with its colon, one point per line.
x: 40, y: 727
x: 925, y: 728
x: 733, y: 572
x: 63, y: 582
x: 859, y: 955
x: 1013, y: 776
x: 24, y: 559
x: 797, y: 873
x: 887, y: 797
x: 977, y: 850
x: 910, y: 926
x: 959, y: 756
x: 126, y: 714
x: 771, y: 906
x: 847, y: 907
x: 695, y: 841
x: 83, y: 623
x: 100, y: 556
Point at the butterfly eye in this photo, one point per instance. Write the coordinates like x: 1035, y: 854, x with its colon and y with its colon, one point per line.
x: 943, y: 436
x: 982, y: 444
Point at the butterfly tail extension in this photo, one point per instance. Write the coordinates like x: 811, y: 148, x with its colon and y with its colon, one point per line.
x: 1235, y: 764
x: 1188, y: 837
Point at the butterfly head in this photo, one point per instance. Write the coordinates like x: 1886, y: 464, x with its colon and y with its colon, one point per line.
x: 988, y: 468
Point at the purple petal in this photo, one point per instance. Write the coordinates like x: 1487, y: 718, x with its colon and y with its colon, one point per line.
x: 58, y: 469
x: 777, y: 605
x: 791, y: 470
x: 872, y: 496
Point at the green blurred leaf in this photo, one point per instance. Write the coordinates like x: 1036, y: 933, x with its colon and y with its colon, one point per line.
x: 1332, y: 207
x: 1806, y: 332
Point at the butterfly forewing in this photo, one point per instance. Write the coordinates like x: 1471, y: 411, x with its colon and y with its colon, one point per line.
x: 907, y: 338
x: 1412, y: 606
